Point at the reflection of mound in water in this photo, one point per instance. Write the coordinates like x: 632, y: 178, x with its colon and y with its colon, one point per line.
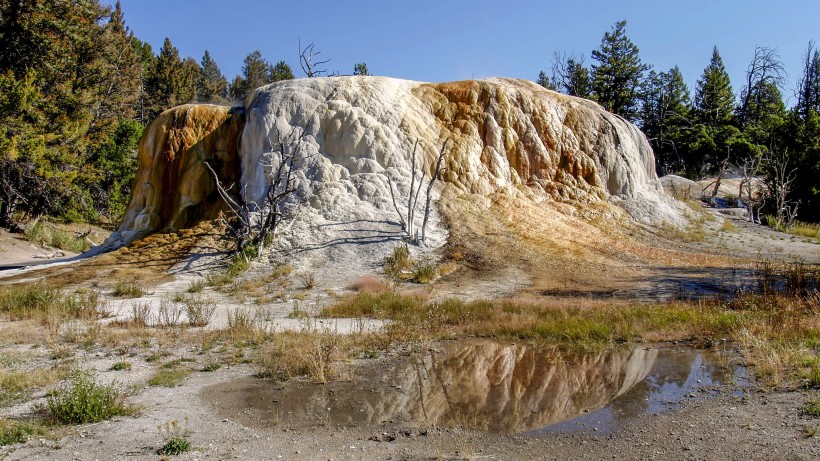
x: 483, y: 385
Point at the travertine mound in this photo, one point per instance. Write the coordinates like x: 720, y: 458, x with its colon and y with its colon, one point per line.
x: 355, y: 136
x: 173, y: 188
x: 505, y: 135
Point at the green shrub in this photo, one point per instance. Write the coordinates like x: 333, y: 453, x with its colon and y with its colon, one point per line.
x: 81, y: 399
x: 424, y: 272
x: 196, y: 286
x: 121, y: 366
x: 176, y: 441
x: 176, y: 445
x: 211, y: 366
x: 812, y: 408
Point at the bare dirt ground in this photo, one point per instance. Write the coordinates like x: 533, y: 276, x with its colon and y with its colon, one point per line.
x: 636, y: 263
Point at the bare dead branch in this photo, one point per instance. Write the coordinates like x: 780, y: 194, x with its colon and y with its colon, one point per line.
x: 308, y: 61
x: 430, y: 189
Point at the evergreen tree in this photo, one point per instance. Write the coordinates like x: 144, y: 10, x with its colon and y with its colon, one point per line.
x: 255, y: 73
x: 145, y: 55
x: 808, y: 94
x: 281, y: 71
x: 765, y: 114
x: 360, y: 69
x: 51, y: 63
x: 117, y: 84
x: 618, y: 74
x: 545, y: 81
x: 163, y: 82
x: 213, y: 87
x: 187, y: 81
x: 578, y: 82
x: 714, y: 99
x: 665, y: 109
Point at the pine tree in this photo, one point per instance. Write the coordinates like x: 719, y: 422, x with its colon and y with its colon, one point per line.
x: 618, y: 74
x: 578, y: 82
x: 255, y: 73
x: 53, y: 64
x: 360, y: 69
x: 117, y: 86
x: 765, y: 113
x: 280, y: 71
x: 545, y: 81
x: 665, y: 109
x: 212, y: 87
x: 159, y: 86
x: 808, y: 96
x: 171, y: 81
x: 714, y: 99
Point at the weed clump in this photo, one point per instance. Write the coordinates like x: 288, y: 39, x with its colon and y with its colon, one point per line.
x: 199, y: 310
x: 812, y: 407
x: 169, y: 377
x: 12, y: 432
x: 128, y: 289
x: 176, y: 441
x: 398, y: 262
x: 121, y: 366
x: 81, y: 399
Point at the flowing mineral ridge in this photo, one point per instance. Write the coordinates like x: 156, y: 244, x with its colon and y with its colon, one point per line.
x: 517, y: 154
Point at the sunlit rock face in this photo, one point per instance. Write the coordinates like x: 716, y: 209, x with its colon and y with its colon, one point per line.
x: 355, y: 137
x: 504, y: 135
x: 173, y: 188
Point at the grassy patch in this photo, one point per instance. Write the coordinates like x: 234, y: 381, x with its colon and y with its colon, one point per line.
x: 211, y: 366
x: 121, y: 366
x: 46, y: 304
x: 313, y: 354
x: 81, y: 399
x: 45, y: 233
x: 17, y: 385
x: 802, y: 229
x: 169, y: 378
x: 128, y: 289
x: 779, y: 332
x: 12, y: 432
x: 812, y: 407
x: 196, y: 286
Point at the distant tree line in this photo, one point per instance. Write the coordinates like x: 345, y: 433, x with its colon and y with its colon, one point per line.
x: 76, y: 89
x: 697, y: 135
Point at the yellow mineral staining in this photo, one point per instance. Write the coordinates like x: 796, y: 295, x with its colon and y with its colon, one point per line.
x: 521, y: 133
x: 173, y: 188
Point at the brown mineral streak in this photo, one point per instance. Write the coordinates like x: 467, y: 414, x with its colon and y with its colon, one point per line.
x: 173, y: 188
x: 530, y: 144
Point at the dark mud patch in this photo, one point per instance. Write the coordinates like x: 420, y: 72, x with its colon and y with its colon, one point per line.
x: 486, y: 386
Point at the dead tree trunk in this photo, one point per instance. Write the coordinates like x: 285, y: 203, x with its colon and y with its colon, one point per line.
x: 750, y: 167
x: 780, y: 179
x: 410, y: 226
x: 430, y: 190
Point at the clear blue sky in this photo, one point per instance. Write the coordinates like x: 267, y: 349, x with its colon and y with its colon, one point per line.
x: 451, y: 40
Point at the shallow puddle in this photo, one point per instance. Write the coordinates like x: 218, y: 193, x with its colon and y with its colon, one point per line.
x: 483, y: 385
